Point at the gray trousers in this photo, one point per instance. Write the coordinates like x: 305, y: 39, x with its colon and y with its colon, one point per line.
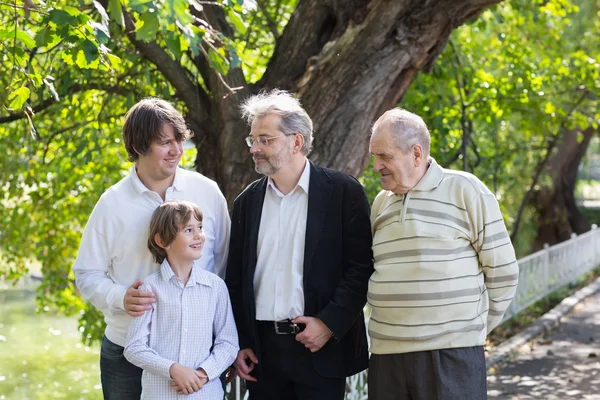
x: 449, y: 374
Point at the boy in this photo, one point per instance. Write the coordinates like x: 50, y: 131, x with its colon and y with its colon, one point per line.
x: 192, y: 313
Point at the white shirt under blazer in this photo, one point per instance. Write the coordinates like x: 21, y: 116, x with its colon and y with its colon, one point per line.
x: 278, y: 286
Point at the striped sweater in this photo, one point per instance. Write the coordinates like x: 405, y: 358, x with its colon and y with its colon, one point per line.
x: 445, y: 268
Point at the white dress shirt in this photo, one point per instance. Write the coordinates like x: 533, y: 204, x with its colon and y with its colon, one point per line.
x: 114, y: 253
x: 278, y: 287
x: 180, y: 328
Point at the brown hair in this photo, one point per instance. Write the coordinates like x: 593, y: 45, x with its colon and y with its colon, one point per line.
x: 167, y: 220
x: 144, y: 122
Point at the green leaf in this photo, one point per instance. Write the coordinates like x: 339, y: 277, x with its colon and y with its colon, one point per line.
x: 100, y: 31
x: 236, y: 21
x: 174, y: 44
x: 43, y: 37
x: 115, y: 62
x: 62, y: 18
x: 67, y: 58
x: 146, y: 27
x: 90, y: 50
x: 27, y: 40
x: 218, y: 62
x: 235, y: 59
x: 116, y: 11
x: 18, y: 98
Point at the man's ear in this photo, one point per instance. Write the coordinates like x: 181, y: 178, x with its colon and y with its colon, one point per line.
x: 417, y: 153
x: 160, y: 242
x: 298, y: 142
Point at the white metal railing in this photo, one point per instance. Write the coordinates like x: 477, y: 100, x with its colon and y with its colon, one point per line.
x: 540, y: 274
x: 543, y: 272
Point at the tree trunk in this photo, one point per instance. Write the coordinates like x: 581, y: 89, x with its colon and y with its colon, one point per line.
x: 559, y: 216
x: 348, y: 60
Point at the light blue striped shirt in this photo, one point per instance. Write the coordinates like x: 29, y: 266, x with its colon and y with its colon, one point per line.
x: 183, y: 325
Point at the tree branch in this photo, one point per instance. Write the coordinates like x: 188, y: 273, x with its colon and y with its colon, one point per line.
x: 316, y: 22
x: 76, y: 88
x: 190, y: 92
x: 541, y: 165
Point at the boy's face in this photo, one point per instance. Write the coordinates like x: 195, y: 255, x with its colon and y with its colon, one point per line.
x: 163, y: 156
x: 188, y: 243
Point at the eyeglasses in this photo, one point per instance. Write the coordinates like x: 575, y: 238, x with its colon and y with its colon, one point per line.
x: 261, y: 141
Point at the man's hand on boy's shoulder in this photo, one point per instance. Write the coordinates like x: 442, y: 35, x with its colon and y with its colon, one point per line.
x: 136, y: 302
x: 187, y: 380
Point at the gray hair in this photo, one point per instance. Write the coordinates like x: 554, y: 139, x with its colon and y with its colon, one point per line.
x: 406, y: 128
x: 294, y: 118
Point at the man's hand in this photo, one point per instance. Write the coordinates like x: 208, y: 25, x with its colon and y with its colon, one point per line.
x: 315, y: 335
x: 137, y: 302
x: 187, y: 380
x: 244, y: 364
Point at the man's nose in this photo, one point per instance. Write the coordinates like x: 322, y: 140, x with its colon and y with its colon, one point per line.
x: 377, y: 166
x: 177, y: 148
x: 255, y: 148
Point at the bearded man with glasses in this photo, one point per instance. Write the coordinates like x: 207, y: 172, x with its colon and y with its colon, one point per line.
x: 299, y: 262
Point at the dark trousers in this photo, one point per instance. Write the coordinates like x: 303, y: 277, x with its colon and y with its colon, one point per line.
x: 121, y: 380
x: 288, y: 373
x: 452, y: 374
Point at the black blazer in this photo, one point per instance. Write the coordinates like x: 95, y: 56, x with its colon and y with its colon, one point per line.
x: 338, y: 262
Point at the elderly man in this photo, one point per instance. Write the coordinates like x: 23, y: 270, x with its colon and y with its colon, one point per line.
x: 445, y: 270
x: 299, y: 262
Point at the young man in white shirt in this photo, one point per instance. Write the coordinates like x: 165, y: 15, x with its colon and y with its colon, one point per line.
x: 189, y: 337
x: 113, y: 257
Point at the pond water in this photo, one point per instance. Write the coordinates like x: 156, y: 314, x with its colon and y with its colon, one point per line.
x: 41, y: 355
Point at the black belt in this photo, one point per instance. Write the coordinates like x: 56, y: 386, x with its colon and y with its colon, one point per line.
x: 284, y: 327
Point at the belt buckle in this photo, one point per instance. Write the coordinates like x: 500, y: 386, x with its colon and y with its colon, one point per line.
x: 295, y: 328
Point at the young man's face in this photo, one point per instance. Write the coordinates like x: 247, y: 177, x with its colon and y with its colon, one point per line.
x: 163, y: 156
x: 188, y: 243
x: 277, y: 153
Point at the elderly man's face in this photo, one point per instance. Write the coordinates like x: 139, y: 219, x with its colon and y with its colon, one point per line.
x: 398, y: 171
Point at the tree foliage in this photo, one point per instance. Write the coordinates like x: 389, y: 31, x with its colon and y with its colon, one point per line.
x: 504, y: 93
x: 508, y: 84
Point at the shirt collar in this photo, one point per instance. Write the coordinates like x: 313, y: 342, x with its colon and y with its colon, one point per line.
x: 198, y: 276
x: 303, y: 182
x: 432, y: 178
x: 139, y: 187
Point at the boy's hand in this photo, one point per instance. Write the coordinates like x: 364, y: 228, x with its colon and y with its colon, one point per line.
x: 187, y: 380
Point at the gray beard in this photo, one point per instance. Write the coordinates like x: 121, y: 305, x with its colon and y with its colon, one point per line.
x: 271, y: 165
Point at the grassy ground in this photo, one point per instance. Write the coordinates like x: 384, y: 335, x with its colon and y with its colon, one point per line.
x: 41, y: 355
